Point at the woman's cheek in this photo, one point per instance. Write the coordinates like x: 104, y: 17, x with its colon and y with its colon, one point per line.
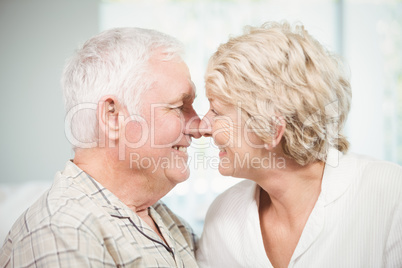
x: 222, y: 134
x: 230, y: 132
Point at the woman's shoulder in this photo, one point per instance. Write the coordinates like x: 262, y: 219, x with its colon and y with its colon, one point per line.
x: 237, y: 199
x: 378, y: 176
x: 227, y: 225
x: 242, y: 188
x: 370, y: 166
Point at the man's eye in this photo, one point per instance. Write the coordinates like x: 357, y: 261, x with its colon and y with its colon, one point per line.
x: 214, y: 112
x: 180, y: 107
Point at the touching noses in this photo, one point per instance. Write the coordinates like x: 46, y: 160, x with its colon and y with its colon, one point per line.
x: 205, y: 127
x: 197, y: 127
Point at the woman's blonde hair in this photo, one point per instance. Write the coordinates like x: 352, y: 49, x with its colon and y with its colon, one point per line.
x: 278, y: 71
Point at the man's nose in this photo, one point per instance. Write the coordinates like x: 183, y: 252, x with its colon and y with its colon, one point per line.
x: 205, y: 127
x: 192, y: 123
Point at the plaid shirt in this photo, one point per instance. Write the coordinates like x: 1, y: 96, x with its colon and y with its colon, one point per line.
x: 79, y: 223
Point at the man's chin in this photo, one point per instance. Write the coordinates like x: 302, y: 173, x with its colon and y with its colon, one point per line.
x: 177, y: 175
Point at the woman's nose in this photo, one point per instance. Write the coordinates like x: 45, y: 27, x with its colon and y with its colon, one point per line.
x: 205, y: 126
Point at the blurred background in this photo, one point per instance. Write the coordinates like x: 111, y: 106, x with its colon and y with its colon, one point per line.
x: 37, y: 36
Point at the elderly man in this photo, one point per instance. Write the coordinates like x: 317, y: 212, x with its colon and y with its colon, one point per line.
x: 130, y: 118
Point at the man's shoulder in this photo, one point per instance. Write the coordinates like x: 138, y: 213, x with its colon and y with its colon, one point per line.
x: 64, y: 205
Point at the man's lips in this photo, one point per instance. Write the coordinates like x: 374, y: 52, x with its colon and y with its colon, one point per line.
x: 180, y: 148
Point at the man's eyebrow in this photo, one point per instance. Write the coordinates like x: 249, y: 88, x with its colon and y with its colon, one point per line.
x: 184, y: 97
x: 187, y: 96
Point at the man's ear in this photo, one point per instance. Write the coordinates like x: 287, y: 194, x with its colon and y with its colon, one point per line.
x: 109, y: 110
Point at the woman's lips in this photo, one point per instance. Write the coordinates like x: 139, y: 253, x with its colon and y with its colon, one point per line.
x: 222, y: 152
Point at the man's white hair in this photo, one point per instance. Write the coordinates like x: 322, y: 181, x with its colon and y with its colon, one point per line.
x: 114, y: 62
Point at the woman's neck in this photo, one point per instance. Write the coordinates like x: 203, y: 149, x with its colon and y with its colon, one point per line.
x: 290, y: 194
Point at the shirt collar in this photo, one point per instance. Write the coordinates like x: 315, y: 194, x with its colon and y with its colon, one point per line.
x: 339, y: 173
x: 96, y: 191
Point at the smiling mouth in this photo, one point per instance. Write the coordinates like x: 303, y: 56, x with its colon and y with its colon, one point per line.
x: 222, y: 152
x: 180, y: 148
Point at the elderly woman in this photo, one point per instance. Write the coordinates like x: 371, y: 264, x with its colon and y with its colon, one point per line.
x: 278, y: 104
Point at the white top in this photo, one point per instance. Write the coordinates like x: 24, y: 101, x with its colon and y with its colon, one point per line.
x: 356, y: 222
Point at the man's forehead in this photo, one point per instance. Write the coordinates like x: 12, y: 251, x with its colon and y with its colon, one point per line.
x: 172, y: 82
x: 184, y: 95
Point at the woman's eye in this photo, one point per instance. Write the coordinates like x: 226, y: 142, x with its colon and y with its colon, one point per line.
x: 214, y: 112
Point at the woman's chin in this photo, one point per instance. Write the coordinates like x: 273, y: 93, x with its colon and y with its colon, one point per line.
x: 226, y: 171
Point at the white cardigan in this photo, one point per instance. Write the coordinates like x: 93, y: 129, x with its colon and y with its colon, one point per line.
x: 356, y: 222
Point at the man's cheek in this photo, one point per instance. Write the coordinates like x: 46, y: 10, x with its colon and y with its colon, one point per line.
x: 167, y: 135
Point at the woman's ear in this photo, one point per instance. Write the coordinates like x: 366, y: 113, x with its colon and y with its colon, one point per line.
x: 108, y: 113
x: 280, y: 126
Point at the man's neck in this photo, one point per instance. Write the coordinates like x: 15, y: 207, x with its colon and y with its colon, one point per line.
x: 132, y: 187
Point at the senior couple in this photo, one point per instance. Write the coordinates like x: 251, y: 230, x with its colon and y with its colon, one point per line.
x: 274, y: 92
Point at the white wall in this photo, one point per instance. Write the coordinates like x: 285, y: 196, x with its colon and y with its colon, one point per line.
x: 372, y: 46
x: 35, y: 39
